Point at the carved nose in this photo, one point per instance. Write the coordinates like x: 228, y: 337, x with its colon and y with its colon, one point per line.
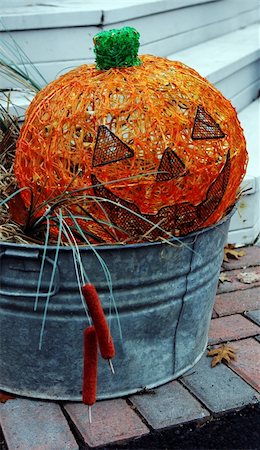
x: 171, y: 166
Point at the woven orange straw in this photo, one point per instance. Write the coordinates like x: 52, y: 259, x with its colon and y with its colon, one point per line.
x: 157, y: 139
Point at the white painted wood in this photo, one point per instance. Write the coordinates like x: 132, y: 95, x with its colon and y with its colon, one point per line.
x: 230, y: 62
x: 240, y: 93
x: 75, y: 42
x: 76, y: 13
x: 68, y: 47
x: 207, y: 11
x: 239, y: 80
x: 16, y: 103
x: 113, y: 15
x: 244, y: 236
x: 250, y: 122
x: 72, y: 44
x: 163, y: 25
x: 54, y: 44
x: 7, y: 4
x: 48, y: 17
x: 220, y: 57
x: 49, y: 70
x: 245, y: 97
x: 249, y: 17
x: 178, y: 42
x: 245, y: 224
x: 249, y: 185
x: 241, y: 87
x: 248, y: 212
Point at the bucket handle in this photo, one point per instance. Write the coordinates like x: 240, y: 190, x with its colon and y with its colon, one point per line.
x: 34, y: 255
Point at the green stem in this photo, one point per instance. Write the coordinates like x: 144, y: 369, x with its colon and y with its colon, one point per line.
x: 117, y: 48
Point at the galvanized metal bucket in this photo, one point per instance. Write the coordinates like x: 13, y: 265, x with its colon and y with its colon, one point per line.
x: 164, y: 295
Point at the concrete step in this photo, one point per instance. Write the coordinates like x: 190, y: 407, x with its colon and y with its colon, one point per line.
x: 230, y: 62
x: 245, y: 224
x: 63, y: 31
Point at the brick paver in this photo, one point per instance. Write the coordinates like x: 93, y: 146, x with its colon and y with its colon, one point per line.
x: 254, y: 315
x: 237, y: 302
x: 112, y: 421
x: 235, y: 284
x: 247, y: 364
x: 35, y: 425
x: 251, y: 258
x: 219, y: 388
x: 214, y: 314
x: 231, y: 328
x: 171, y: 404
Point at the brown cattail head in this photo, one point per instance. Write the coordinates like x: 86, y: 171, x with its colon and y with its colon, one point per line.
x: 90, y: 364
x: 96, y: 312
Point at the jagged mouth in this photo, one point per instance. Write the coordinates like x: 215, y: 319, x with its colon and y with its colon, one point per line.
x: 177, y: 219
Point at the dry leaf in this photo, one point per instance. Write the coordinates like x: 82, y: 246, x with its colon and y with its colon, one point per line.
x: 223, y: 277
x: 248, y: 277
x: 4, y: 396
x: 224, y: 352
x: 231, y: 252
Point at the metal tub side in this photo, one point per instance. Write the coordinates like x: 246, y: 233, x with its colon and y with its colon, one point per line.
x: 164, y: 295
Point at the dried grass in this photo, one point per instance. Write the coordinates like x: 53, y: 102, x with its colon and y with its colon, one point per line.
x: 9, y: 132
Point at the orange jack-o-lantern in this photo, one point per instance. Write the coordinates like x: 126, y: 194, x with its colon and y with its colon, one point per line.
x: 138, y: 148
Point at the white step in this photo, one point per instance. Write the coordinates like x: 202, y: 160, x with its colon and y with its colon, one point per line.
x: 245, y: 224
x: 16, y: 103
x: 47, y: 14
x: 64, y: 33
x: 230, y: 62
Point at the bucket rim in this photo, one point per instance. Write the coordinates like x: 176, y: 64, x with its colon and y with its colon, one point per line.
x: 118, y: 246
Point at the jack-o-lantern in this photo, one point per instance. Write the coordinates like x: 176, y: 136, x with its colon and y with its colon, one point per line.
x: 142, y: 147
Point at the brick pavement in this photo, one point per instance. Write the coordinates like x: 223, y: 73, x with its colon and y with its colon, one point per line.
x: 197, y: 396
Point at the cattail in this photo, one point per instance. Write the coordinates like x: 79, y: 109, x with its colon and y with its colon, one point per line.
x: 90, y: 365
x: 105, y: 341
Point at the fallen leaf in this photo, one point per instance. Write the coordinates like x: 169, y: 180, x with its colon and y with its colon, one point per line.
x: 248, y: 277
x: 146, y: 391
x: 222, y: 353
x: 231, y: 252
x: 4, y: 396
x: 223, y: 277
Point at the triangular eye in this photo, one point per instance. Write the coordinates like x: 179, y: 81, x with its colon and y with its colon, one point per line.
x: 109, y: 148
x: 171, y: 166
x: 205, y: 127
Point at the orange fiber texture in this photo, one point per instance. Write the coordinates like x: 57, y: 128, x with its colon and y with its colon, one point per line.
x: 90, y: 364
x: 96, y: 312
x: 155, y: 135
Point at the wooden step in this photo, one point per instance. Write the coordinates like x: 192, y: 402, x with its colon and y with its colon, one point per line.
x: 57, y: 38
x: 26, y: 14
x: 230, y: 62
x: 245, y: 224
